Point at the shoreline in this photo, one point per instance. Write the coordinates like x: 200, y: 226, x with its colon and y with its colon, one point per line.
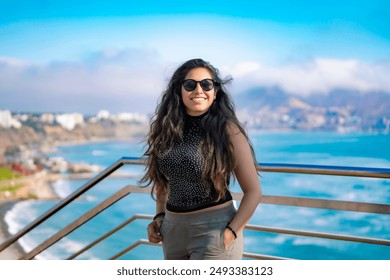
x: 14, y: 251
x: 65, y: 143
x: 41, y: 188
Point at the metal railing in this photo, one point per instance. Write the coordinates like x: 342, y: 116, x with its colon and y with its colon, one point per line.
x: 382, y: 173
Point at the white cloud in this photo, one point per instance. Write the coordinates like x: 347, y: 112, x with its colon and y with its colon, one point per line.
x: 108, y: 77
x: 320, y: 75
x: 119, y: 73
x: 12, y: 62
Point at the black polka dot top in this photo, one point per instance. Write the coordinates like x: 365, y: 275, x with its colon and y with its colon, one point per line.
x: 182, y: 166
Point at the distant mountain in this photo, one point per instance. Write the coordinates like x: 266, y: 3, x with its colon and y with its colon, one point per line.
x: 374, y: 104
x: 256, y: 98
x: 370, y: 103
x: 273, y: 107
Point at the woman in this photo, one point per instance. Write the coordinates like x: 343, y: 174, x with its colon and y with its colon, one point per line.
x: 195, y: 144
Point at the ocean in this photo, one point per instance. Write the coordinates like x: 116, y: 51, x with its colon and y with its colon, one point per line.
x: 362, y: 150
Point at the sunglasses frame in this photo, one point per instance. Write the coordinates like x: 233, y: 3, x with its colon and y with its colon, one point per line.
x: 214, y: 84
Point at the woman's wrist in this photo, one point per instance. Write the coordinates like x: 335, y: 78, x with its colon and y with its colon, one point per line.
x: 232, y: 231
x: 158, y: 215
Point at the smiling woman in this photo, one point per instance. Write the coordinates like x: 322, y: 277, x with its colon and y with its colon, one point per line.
x: 195, y: 145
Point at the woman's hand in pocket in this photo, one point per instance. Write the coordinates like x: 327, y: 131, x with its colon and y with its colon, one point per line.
x: 154, y: 235
x: 228, y: 238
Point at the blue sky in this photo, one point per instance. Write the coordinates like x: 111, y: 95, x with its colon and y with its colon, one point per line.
x: 117, y: 55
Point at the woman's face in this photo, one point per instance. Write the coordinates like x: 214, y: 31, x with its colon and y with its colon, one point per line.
x: 199, y: 100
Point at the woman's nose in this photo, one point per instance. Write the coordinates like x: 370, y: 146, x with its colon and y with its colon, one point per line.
x: 198, y: 88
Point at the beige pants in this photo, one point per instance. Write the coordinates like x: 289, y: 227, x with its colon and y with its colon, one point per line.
x: 199, y: 235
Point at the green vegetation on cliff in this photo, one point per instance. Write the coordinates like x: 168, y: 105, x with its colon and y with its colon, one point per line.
x: 7, y: 174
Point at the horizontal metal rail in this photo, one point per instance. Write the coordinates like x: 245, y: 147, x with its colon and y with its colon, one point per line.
x: 383, y: 173
x: 327, y: 204
x: 305, y: 169
x: 320, y: 235
x: 262, y: 257
x: 266, y: 167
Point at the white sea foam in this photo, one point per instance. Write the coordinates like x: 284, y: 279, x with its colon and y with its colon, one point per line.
x: 62, y: 188
x: 249, y: 241
x: 321, y: 222
x: 98, y: 153
x: 23, y: 213
x: 280, y: 239
x: 70, y: 246
x: 90, y: 198
x: 306, y: 212
x: 310, y: 241
x: 18, y: 215
x: 28, y: 244
x: 364, y: 230
x: 352, y: 196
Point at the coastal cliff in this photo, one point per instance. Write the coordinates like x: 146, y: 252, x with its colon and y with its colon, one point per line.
x: 41, y: 137
x: 23, y: 150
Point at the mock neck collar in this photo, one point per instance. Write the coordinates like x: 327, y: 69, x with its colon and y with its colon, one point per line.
x: 195, y: 118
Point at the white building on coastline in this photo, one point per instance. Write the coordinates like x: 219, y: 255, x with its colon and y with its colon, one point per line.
x: 70, y: 121
x: 131, y: 117
x: 120, y: 117
x: 103, y: 115
x: 7, y: 121
x: 47, y: 118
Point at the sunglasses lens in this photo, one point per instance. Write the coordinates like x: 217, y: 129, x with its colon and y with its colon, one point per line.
x: 189, y: 85
x: 207, y: 84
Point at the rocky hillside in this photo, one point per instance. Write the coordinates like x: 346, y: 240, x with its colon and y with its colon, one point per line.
x: 338, y: 110
x: 39, y: 136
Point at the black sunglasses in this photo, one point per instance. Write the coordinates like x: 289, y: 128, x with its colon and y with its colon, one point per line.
x: 206, y: 84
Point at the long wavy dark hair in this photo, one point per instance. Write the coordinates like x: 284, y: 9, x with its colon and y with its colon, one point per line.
x: 167, y: 125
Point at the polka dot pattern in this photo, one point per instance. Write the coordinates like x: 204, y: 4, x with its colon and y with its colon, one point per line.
x: 183, y: 168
